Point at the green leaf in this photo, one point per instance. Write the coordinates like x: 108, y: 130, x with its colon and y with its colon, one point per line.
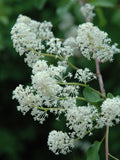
x: 110, y: 95
x: 103, y: 3
x: 4, y: 20
x: 116, y: 17
x: 40, y: 4
x: 102, y: 19
x: 91, y: 96
x: 92, y: 153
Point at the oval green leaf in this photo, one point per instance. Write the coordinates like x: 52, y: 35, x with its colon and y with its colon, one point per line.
x: 93, y: 151
x: 91, y: 96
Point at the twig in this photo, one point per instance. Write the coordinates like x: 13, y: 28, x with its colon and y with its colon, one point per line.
x: 83, y: 85
x: 101, y: 84
x: 112, y: 156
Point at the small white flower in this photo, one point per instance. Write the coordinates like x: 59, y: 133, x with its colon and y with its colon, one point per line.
x: 68, y: 103
x: 26, y: 98
x: 31, y: 58
x: 110, y: 112
x: 59, y: 142
x: 94, y: 43
x: 40, y: 65
x: 29, y: 34
x: 39, y: 115
x: 44, y: 84
x: 80, y: 119
x: 84, y: 75
x: 44, y: 30
x: 71, y: 42
x: 57, y: 47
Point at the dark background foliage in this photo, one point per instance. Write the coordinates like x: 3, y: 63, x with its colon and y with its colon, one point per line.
x: 20, y: 136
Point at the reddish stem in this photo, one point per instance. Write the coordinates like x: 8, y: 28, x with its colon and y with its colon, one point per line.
x: 101, y: 84
x: 100, y: 79
x: 106, y: 142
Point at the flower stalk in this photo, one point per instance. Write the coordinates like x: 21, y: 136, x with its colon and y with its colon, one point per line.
x: 101, y: 84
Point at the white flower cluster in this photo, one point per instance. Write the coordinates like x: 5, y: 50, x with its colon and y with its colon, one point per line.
x: 80, y: 119
x: 56, y: 46
x: 84, y: 75
x: 49, y: 90
x: 25, y: 98
x: 45, y: 92
x: 25, y: 35
x: 87, y: 11
x: 60, y: 142
x: 71, y: 41
x: 29, y: 101
x: 110, y: 112
x: 30, y: 36
x: 70, y: 91
x: 39, y: 115
x: 43, y: 79
x: 94, y: 43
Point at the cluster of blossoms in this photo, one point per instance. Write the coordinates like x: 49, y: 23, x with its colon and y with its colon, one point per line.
x: 50, y: 91
x: 80, y: 119
x: 28, y: 34
x: 94, y: 43
x: 85, y: 75
x: 60, y: 142
x: 87, y: 11
x: 110, y: 112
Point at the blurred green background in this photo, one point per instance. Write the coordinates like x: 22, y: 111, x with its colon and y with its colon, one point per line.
x: 20, y: 137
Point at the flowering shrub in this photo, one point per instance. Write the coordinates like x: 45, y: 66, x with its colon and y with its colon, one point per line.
x: 52, y: 89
